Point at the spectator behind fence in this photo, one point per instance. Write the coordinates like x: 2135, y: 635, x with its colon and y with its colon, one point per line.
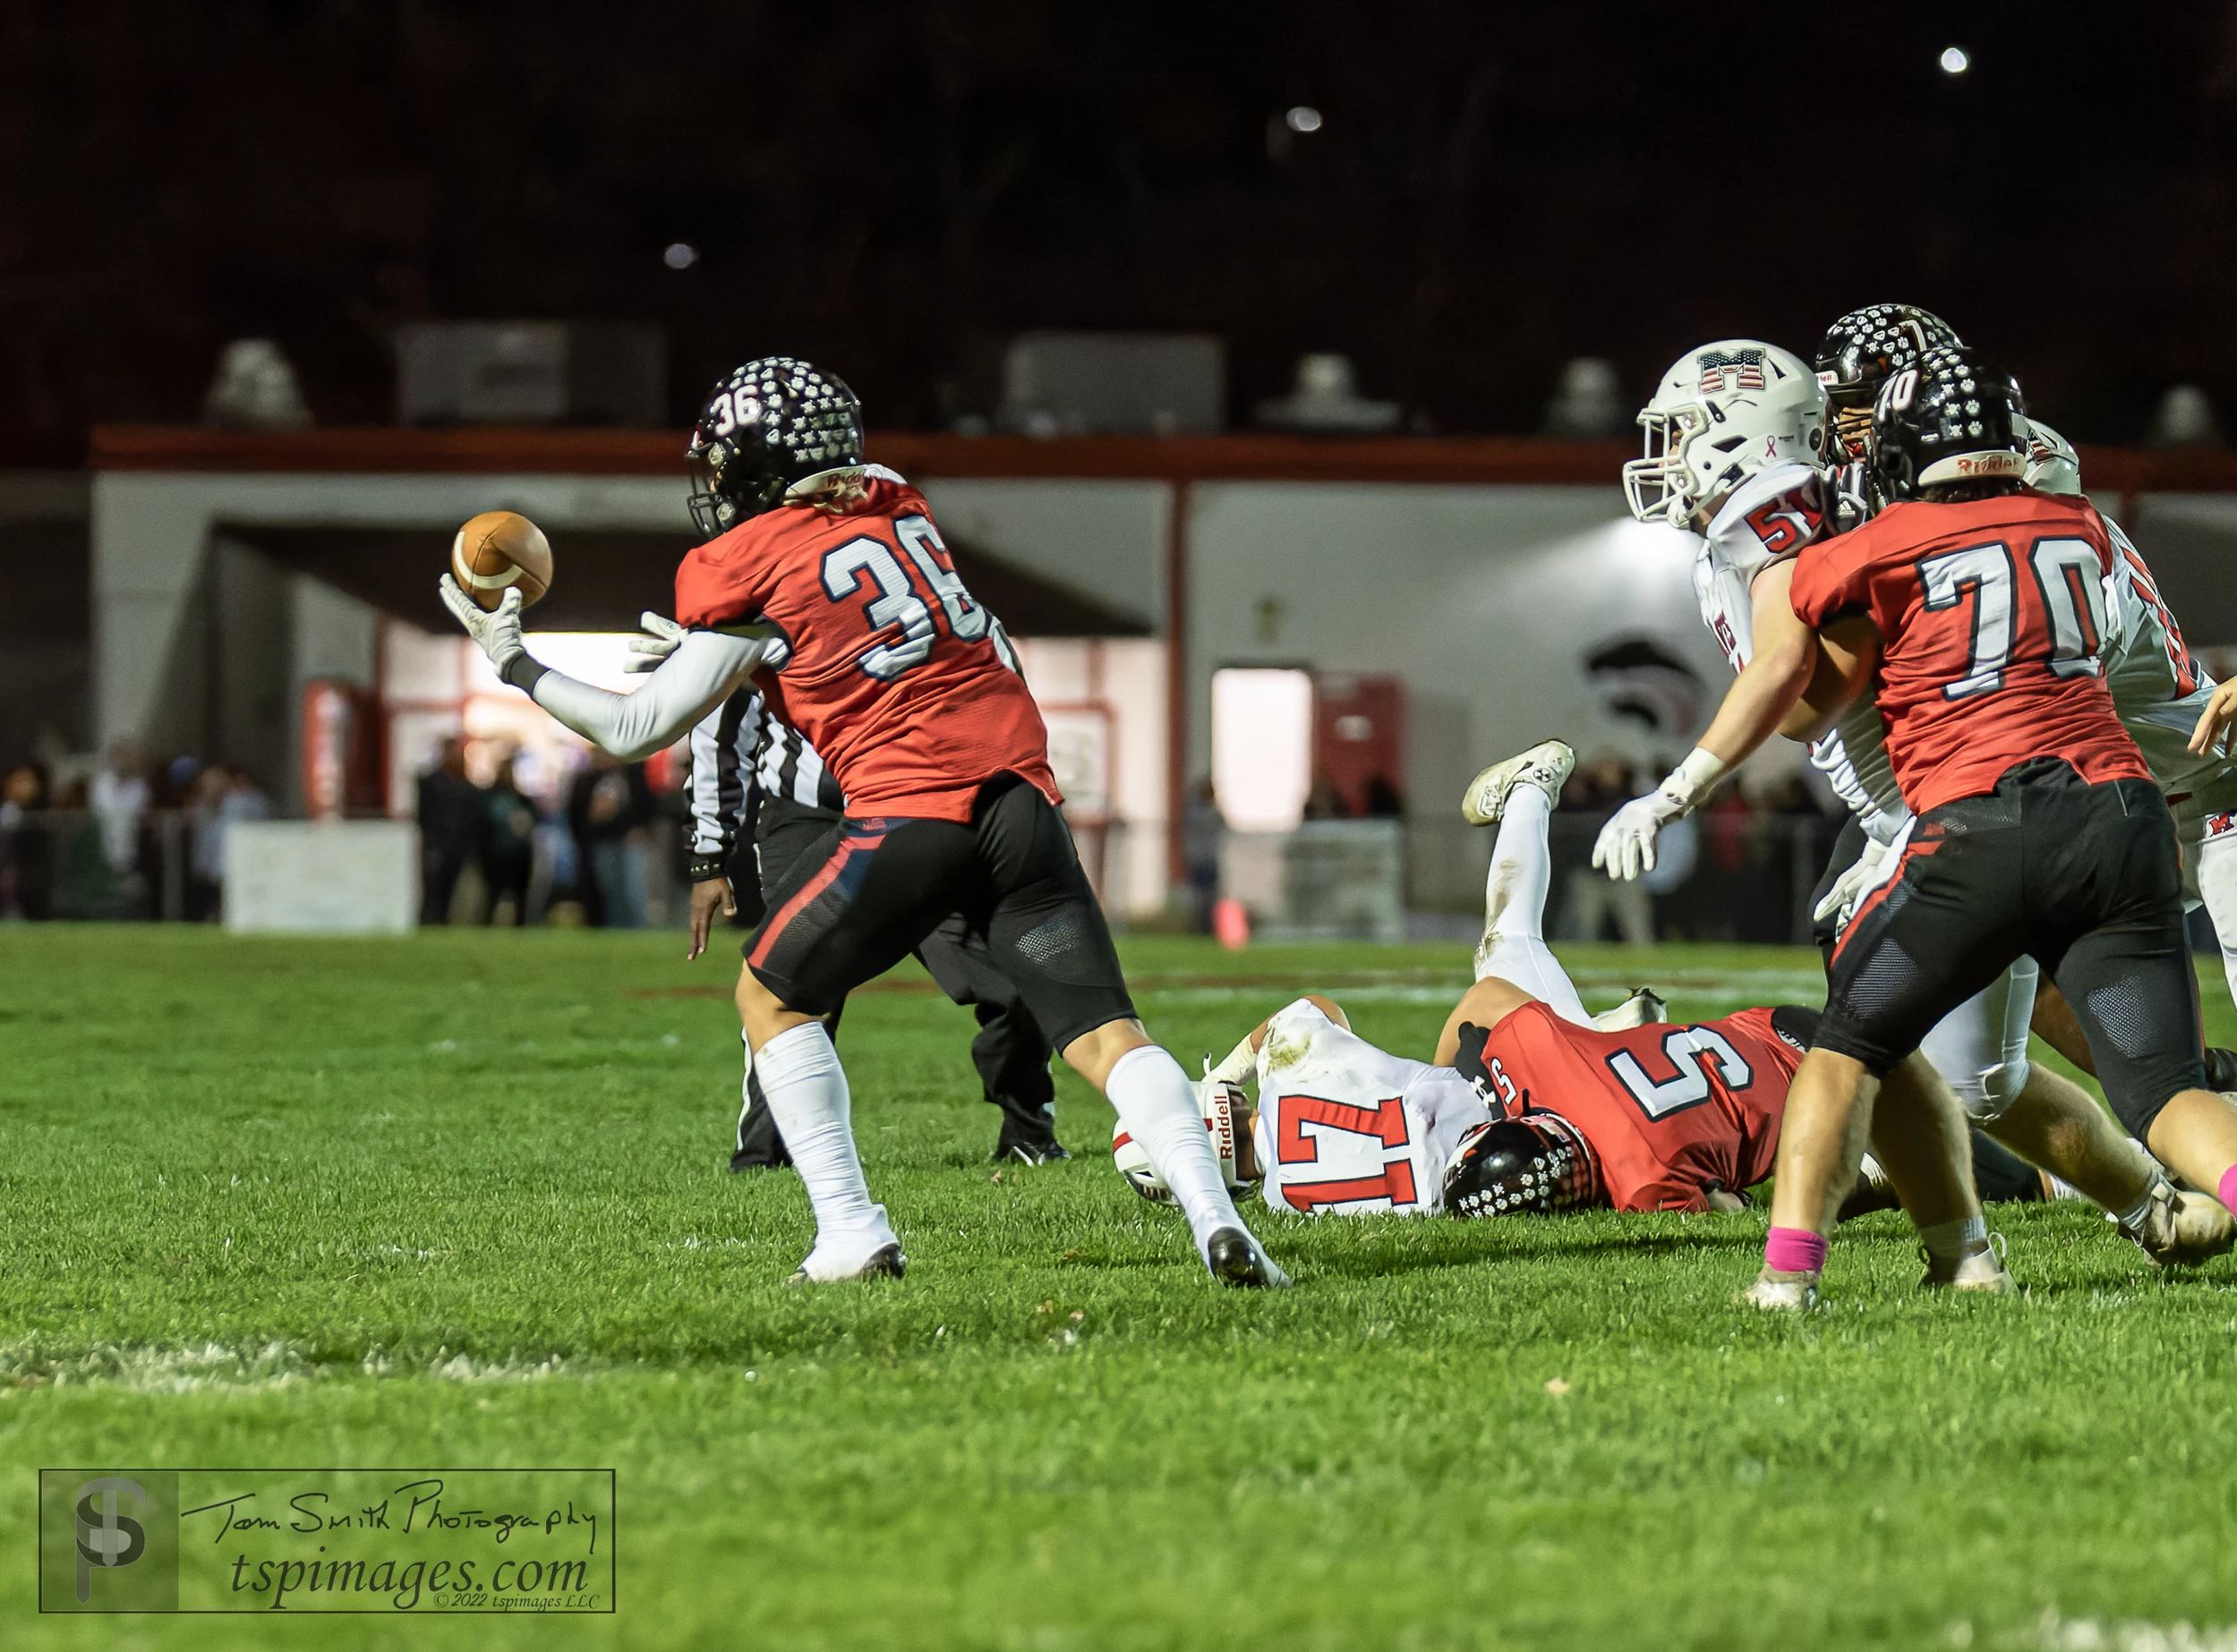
x: 450, y: 830
x: 119, y: 800
x: 27, y: 848
x: 508, y: 843
x: 608, y: 808
x: 206, y: 847
x: 1596, y: 791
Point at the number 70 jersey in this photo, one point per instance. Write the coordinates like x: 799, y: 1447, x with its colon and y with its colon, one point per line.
x: 893, y: 670
x: 1992, y: 616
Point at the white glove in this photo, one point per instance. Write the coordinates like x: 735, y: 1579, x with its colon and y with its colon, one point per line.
x: 1625, y: 845
x: 498, y: 633
x: 646, y: 652
x: 1842, y: 897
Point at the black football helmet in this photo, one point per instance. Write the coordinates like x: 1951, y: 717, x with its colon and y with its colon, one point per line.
x: 1536, y: 1163
x: 1953, y: 418
x: 763, y: 427
x: 1862, y: 351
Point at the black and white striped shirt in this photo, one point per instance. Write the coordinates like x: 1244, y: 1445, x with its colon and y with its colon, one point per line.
x: 739, y: 752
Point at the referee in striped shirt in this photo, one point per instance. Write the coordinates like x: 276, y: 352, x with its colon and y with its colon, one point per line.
x: 760, y: 798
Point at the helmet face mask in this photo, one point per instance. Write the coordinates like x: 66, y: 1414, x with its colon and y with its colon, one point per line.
x: 1861, y: 351
x: 763, y: 429
x: 1721, y: 414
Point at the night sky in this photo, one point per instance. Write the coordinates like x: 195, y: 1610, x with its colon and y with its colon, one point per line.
x: 893, y: 190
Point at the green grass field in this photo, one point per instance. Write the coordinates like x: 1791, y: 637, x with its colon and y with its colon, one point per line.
x: 457, y: 1201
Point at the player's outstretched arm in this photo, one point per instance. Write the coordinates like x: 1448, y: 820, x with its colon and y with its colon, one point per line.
x: 1785, y: 657
x: 704, y: 669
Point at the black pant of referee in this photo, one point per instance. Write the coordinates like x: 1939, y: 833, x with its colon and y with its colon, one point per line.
x: 1010, y: 1051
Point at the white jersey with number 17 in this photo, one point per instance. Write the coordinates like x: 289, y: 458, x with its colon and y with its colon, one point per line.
x: 1346, y: 1128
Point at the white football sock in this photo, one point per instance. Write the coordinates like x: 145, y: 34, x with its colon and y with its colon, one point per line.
x: 1953, y: 1241
x: 806, y: 1092
x: 1157, y: 1104
x: 2217, y: 884
x: 1513, y: 945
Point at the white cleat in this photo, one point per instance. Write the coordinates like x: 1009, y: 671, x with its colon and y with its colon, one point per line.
x: 1778, y: 1292
x: 863, y: 1252
x: 2181, y: 1230
x: 1644, y: 1007
x: 1983, y: 1270
x: 1546, y: 766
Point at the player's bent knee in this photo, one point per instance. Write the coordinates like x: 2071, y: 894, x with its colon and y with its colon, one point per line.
x: 1094, y: 1053
x: 1989, y: 1095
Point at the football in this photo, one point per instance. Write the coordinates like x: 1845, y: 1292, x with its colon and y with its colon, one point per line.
x: 1224, y: 1106
x: 500, y: 549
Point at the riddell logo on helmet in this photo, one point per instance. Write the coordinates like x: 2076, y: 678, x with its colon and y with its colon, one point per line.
x: 1730, y: 370
x: 1989, y: 464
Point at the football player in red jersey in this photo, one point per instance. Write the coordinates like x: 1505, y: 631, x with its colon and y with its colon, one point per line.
x: 824, y: 581
x: 1530, y: 1105
x: 1978, y: 608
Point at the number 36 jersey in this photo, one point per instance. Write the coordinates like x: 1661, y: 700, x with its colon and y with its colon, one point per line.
x: 891, y: 669
x: 1993, y: 618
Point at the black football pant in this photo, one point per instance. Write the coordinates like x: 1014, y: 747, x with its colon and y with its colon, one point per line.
x: 2085, y: 879
x: 1010, y: 1051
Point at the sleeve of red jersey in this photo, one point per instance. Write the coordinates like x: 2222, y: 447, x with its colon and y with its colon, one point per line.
x: 1667, y: 1193
x: 714, y: 591
x: 1827, y: 583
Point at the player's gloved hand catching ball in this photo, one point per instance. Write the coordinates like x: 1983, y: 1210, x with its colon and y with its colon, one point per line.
x: 1625, y: 845
x: 498, y: 632
x: 660, y: 640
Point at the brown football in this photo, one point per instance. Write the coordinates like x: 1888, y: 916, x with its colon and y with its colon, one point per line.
x: 498, y: 549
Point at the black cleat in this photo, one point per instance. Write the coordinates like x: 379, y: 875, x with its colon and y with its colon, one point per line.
x: 1028, y: 1150
x: 1236, y: 1260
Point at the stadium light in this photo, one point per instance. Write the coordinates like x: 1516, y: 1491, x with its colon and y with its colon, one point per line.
x: 681, y: 255
x: 1954, y: 60
x: 1303, y: 118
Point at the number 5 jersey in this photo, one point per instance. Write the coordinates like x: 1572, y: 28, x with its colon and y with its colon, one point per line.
x: 1668, y: 1110
x: 890, y: 669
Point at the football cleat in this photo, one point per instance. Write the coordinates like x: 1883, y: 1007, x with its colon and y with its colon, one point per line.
x: 886, y: 1262
x: 1644, y: 1007
x: 1777, y: 1292
x: 1546, y: 766
x: 1984, y: 1270
x: 2181, y: 1230
x: 1028, y: 1150
x: 1237, y: 1260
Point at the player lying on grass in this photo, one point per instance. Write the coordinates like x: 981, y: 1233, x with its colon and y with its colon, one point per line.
x: 823, y: 580
x: 1531, y: 1105
x: 1738, y: 450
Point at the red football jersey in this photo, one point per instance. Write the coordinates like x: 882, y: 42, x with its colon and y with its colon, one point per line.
x: 1991, y: 613
x: 1670, y: 1109
x: 894, y: 674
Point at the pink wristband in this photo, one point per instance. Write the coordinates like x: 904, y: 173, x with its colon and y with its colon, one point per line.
x: 2228, y: 1189
x: 1797, y: 1250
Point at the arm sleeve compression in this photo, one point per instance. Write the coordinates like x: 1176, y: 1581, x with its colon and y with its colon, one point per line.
x: 706, y: 668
